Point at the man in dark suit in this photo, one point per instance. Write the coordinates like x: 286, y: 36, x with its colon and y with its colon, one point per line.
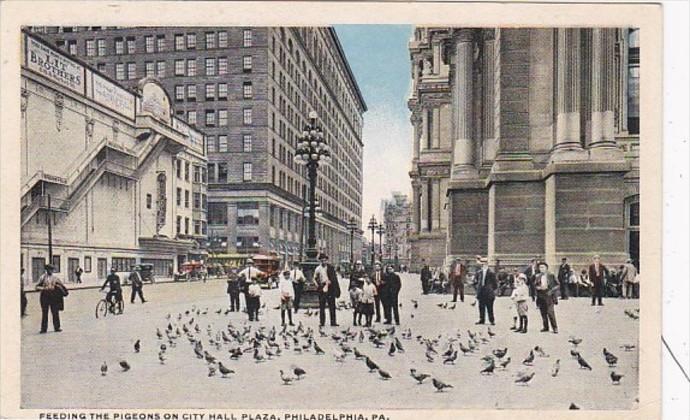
x: 377, y: 279
x: 389, y: 295
x: 563, y: 274
x: 425, y: 276
x: 457, y: 279
x: 485, y: 285
x: 531, y: 272
x: 597, y: 276
x: 329, y: 290
x: 546, y: 286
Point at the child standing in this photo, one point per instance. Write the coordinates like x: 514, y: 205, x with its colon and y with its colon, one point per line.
x: 356, y: 300
x: 234, y: 292
x: 366, y: 306
x: 519, y: 297
x: 287, y: 294
x: 254, y: 300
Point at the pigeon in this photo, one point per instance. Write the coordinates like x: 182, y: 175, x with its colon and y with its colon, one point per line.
x: 104, y: 369
x: 159, y: 334
x: 392, y: 349
x: 398, y: 345
x: 339, y: 357
x: 384, y: 375
x: 489, y: 369
x: 528, y: 361
x: 616, y: 378
x: 287, y: 380
x: 419, y: 377
x: 211, y: 371
x: 473, y: 303
x: 499, y: 353
x: 452, y: 307
x: 161, y: 357
x: 464, y: 349
x: 429, y: 357
x: 358, y: 354
x: 258, y: 357
x: 451, y: 359
x: 505, y: 362
x: 449, y: 351
x: 524, y: 378
x: 224, y: 370
x: 371, y: 365
x: 299, y: 372
x: 415, y: 304
x: 540, y: 351
x: 574, y: 341
x: 124, y: 365
x: 611, y: 359
x: 573, y: 407
x: 583, y: 363
x: 209, y: 358
x: 163, y: 347
x: 439, y: 385
x: 556, y: 367
x: 137, y: 346
x: 574, y: 353
x: 490, y: 333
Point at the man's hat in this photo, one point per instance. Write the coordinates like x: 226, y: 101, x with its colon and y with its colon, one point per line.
x: 483, y: 260
x: 249, y: 261
x: 543, y: 263
x: 358, y: 262
x: 323, y: 257
x: 49, y: 267
x: 113, y: 269
x: 564, y: 259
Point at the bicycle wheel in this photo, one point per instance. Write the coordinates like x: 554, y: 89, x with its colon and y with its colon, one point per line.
x: 101, y: 308
x: 120, y: 307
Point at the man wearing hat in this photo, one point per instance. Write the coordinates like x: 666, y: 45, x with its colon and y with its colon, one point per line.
x: 246, y: 277
x: 329, y: 289
x: 113, y: 281
x: 563, y: 274
x: 530, y: 273
x: 52, y: 293
x: 628, y: 277
x: 287, y: 293
x: 298, y: 280
x: 597, y: 276
x: 485, y: 285
x: 425, y: 276
x: 546, y: 285
x: 457, y: 277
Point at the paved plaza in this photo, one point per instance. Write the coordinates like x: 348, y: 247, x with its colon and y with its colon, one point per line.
x: 62, y: 370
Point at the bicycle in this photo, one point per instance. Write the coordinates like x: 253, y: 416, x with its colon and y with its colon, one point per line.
x: 103, y: 307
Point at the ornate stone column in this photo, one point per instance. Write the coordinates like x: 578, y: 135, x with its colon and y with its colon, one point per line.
x: 424, y: 142
x: 488, y: 106
x: 436, y: 127
x: 568, y: 89
x: 463, y: 153
x: 416, y: 120
x: 603, y: 76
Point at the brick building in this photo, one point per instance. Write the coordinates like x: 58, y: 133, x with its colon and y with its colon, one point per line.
x: 544, y: 159
x: 250, y: 91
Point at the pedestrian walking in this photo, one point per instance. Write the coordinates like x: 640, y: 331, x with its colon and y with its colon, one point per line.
x: 485, y: 285
x: 377, y: 279
x: 77, y: 274
x: 563, y: 277
x: 367, y: 301
x: 24, y: 300
x: 287, y: 294
x: 457, y: 277
x: 233, y: 291
x: 389, y: 296
x: 628, y: 277
x: 547, y: 288
x: 531, y: 271
x: 53, y: 292
x: 298, y: 281
x: 425, y: 277
x: 329, y: 290
x: 137, y: 285
x: 246, y: 277
x: 519, y: 297
x: 597, y: 276
x: 253, y: 300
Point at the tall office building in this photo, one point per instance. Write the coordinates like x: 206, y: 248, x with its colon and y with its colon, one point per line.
x: 544, y: 159
x: 397, y: 222
x: 250, y: 90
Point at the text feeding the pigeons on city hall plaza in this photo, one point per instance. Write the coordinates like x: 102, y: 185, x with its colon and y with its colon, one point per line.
x: 208, y: 416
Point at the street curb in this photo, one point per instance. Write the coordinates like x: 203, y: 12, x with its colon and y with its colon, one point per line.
x: 75, y: 287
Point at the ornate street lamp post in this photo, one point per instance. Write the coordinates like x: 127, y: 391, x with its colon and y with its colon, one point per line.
x: 311, y: 151
x: 372, y: 226
x: 380, y: 230
x: 352, y: 227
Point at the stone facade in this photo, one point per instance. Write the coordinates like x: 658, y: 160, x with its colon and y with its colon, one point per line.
x: 397, y: 222
x: 99, y: 164
x: 250, y: 89
x: 545, y: 129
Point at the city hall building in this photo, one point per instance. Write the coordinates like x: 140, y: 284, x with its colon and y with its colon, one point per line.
x: 250, y: 90
x: 109, y: 176
x: 526, y: 144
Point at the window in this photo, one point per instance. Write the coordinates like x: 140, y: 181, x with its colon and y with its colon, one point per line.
x: 211, y: 172
x: 149, y: 43
x: 210, y: 91
x: 210, y: 118
x: 191, y: 117
x: 247, y: 63
x: 222, y: 66
x: 186, y: 171
x: 101, y: 67
x: 160, y: 43
x: 222, y: 143
x: 634, y: 211
x: 247, y: 213
x: 150, y: 69
x: 197, y: 200
x: 90, y: 47
x: 203, y: 179
x: 148, y: 201
x: 247, y: 90
x: 248, y: 242
x: 179, y: 42
x: 222, y: 90
x: 186, y: 198
x: 222, y: 118
x: 120, y: 71
x: 179, y: 67
x: 131, y: 46
x: 191, y: 41
x: 210, y: 67
x: 222, y: 39
x: 246, y: 142
x: 123, y: 264
x: 197, y: 174
x: 211, y: 144
x: 210, y: 40
x: 178, y: 197
x: 56, y: 263
x: 197, y: 227
x: 72, y: 47
x: 87, y: 264
x: 60, y: 44
x: 247, y: 171
x: 160, y: 69
x: 178, y: 225
x: 217, y: 214
x: 101, y: 47
x: 247, y: 116
x: 247, y: 38
x: 191, y: 92
x: 191, y: 67
x: 179, y: 93
x: 119, y: 46
x: 222, y: 172
x: 131, y: 71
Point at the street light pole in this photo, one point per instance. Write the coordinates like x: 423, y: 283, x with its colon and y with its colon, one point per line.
x: 372, y: 226
x: 380, y: 230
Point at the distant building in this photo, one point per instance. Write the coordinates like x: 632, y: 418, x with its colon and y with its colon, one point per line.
x: 397, y: 222
x: 544, y: 157
x: 250, y: 90
x: 113, y: 173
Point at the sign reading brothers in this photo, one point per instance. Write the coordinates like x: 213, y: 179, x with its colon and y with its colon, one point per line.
x: 154, y: 100
x: 54, y: 65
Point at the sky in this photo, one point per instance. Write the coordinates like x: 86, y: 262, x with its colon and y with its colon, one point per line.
x: 380, y: 61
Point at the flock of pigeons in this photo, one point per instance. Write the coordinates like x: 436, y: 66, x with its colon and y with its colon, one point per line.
x: 219, y: 349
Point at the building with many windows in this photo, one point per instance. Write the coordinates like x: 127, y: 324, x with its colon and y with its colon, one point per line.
x: 535, y: 135
x: 250, y: 91
x: 397, y: 224
x: 109, y: 176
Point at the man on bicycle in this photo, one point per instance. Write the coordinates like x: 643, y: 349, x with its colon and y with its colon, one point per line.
x: 113, y: 280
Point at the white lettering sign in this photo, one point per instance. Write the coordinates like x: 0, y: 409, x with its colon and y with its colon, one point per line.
x: 55, y: 66
x: 113, y: 96
x: 155, y: 102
